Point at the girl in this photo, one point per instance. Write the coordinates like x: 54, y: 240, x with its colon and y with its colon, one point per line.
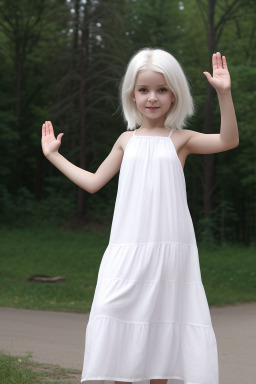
x: 150, y: 321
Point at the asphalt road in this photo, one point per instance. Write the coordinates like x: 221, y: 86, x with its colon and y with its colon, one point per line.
x: 58, y: 338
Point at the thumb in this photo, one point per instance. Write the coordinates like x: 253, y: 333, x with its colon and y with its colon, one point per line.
x: 59, y: 137
x: 208, y: 75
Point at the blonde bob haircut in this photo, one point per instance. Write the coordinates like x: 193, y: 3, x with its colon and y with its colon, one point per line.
x: 160, y: 61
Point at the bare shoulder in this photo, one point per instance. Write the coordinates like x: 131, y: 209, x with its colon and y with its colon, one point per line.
x: 202, y: 143
x: 123, y: 139
x: 184, y: 133
x: 181, y: 137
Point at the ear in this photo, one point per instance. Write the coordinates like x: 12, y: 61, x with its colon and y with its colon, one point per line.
x: 173, y: 98
x: 133, y: 97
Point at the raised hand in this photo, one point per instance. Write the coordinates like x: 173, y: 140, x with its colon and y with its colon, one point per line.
x: 49, y: 143
x: 220, y: 78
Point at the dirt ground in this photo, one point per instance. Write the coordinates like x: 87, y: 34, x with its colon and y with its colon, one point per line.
x: 58, y: 338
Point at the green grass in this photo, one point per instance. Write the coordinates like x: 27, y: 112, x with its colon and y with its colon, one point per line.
x: 22, y: 370
x: 55, y: 252
x: 228, y: 272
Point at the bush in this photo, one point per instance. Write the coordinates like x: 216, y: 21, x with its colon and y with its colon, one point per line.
x: 22, y: 208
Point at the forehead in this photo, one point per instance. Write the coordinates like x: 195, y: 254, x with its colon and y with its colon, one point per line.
x: 150, y: 77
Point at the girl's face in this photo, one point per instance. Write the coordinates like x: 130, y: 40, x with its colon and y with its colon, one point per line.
x: 152, y: 96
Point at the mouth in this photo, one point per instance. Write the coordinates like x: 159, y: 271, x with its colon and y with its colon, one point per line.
x: 152, y: 108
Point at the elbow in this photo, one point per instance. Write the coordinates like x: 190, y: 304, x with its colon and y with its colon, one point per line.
x: 236, y: 143
x: 94, y: 190
x: 231, y: 144
x: 92, y: 185
x: 88, y: 188
x: 96, y: 185
x: 91, y: 190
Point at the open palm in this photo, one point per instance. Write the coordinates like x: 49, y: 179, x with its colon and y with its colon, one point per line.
x: 220, y: 78
x: 49, y: 143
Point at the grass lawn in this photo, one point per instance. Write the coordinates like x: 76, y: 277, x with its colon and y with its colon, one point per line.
x: 22, y: 370
x: 228, y: 272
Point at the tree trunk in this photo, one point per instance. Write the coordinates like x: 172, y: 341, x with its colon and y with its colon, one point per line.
x: 38, y: 175
x: 82, y: 105
x: 208, y: 160
x: 18, y: 85
x: 18, y: 64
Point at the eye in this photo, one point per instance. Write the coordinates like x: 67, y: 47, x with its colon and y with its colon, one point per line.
x: 163, y: 90
x: 143, y: 90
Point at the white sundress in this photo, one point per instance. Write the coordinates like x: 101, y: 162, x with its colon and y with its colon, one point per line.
x: 150, y: 317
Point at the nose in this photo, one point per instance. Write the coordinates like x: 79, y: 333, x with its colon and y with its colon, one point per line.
x: 152, y: 97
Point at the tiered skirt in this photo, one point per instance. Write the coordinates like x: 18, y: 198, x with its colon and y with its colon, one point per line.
x: 150, y: 318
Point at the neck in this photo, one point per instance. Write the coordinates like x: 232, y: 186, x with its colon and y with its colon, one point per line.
x: 153, y: 123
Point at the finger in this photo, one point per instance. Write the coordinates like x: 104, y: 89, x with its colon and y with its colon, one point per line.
x: 43, y: 130
x: 214, y: 62
x: 224, y: 62
x: 50, y: 127
x: 219, y: 61
x: 46, y: 128
x: 208, y: 75
x: 60, y: 136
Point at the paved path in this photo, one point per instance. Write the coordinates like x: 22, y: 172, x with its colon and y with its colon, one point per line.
x: 58, y: 338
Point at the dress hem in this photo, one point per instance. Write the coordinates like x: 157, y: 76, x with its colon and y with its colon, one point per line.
x: 151, y: 242
x: 141, y: 379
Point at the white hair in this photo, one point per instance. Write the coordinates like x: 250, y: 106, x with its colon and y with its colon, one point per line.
x: 160, y: 61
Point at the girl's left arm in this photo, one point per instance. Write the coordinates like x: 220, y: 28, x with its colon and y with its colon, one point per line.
x: 228, y: 137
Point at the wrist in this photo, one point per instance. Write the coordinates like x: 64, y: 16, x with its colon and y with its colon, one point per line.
x: 52, y: 155
x: 223, y: 92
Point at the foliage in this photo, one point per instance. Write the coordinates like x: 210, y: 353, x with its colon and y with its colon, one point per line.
x: 43, y: 77
x: 23, y: 209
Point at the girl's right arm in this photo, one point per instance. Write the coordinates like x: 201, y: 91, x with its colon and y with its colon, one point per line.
x: 90, y: 182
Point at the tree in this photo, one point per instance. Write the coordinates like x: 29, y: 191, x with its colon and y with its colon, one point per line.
x: 215, y: 16
x: 96, y: 65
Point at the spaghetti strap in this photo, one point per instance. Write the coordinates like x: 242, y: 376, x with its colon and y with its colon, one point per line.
x: 134, y: 132
x: 170, y: 133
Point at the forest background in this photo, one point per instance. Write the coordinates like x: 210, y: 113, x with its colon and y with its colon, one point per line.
x: 63, y: 60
